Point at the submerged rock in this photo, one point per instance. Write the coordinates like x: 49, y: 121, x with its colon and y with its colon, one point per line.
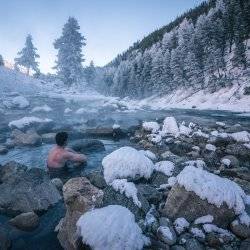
x: 106, y: 132
x: 96, y: 178
x: 30, y: 138
x: 89, y: 145
x: 80, y: 196
x: 25, y: 190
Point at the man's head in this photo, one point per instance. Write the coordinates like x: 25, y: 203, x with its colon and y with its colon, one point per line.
x: 61, y: 139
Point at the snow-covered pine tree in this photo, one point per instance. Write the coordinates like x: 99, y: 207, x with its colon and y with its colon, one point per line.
x: 27, y: 56
x: 89, y: 73
x: 1, y: 61
x: 70, y: 57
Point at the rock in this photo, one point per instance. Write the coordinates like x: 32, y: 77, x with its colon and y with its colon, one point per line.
x: 45, y: 127
x: 3, y: 150
x: 242, y: 173
x: 25, y: 221
x: 152, y: 195
x: 245, y: 185
x: 213, y: 240
x: 234, y: 129
x: 105, y: 132
x: 212, y: 160
x: 245, y: 244
x: 177, y: 247
x: 222, y: 141
x: 180, y: 148
x: 182, y: 203
x: 158, y: 178
x: 239, y: 150
x: 193, y: 244
x: 234, y: 162
x: 167, y: 235
x: 58, y: 183
x: 25, y: 190
x: 80, y: 196
x: 5, y: 242
x: 87, y: 145
x: 159, y: 245
x: 48, y: 138
x: 30, y: 138
x: 240, y: 230
x: 111, y: 197
x: 96, y: 178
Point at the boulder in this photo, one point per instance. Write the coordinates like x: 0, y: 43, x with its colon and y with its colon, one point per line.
x: 234, y: 162
x: 152, y: 195
x: 87, y: 145
x: 193, y: 244
x: 111, y: 197
x: 240, y: 230
x: 245, y: 244
x: 105, y: 132
x: 25, y: 221
x: 234, y: 129
x: 211, y: 159
x: 180, y: 148
x: 25, y: 190
x: 167, y: 235
x: 48, y: 137
x: 213, y: 240
x: 30, y: 138
x: 96, y: 178
x: 58, y: 183
x: 239, y: 150
x: 158, y: 178
x: 182, y: 203
x: 80, y: 196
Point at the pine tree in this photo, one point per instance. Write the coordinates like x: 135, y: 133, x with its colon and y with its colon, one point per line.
x: 70, y: 57
x: 1, y: 61
x: 89, y: 73
x: 27, y: 56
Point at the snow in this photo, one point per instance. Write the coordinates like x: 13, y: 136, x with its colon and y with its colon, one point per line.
x: 151, y: 126
x: 26, y: 121
x: 166, y: 232
x: 222, y: 124
x: 204, y: 219
x: 247, y: 145
x: 196, y: 148
x: 20, y: 102
x: 226, y: 162
x: 149, y: 154
x: 171, y: 181
x: 44, y: 108
x: 155, y: 138
x: 67, y: 110
x: 127, y: 188
x: 244, y: 219
x: 181, y: 224
x: 165, y: 167
x: 196, y: 163
x: 216, y: 190
x: 126, y: 162
x: 80, y: 111
x: 116, y: 126
x: 209, y: 228
x: 242, y: 136
x: 200, y: 133
x: 170, y: 126
x: 210, y: 147
x: 112, y: 227
x: 184, y: 130
x: 197, y: 232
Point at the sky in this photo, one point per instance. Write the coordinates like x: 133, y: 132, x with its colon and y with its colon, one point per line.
x: 110, y: 26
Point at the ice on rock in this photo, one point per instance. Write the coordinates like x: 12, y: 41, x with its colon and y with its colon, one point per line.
x: 126, y: 162
x: 166, y: 232
x: 155, y: 138
x: 150, y: 218
x: 197, y: 232
x: 204, y: 219
x: 44, y: 108
x: 247, y: 145
x: 196, y: 163
x: 226, y: 162
x: 17, y: 102
x: 165, y: 167
x: 116, y: 126
x: 151, y: 126
x: 184, y: 130
x: 196, y: 148
x: 27, y: 120
x: 67, y: 110
x: 80, y: 111
x: 171, y: 181
x: 215, y: 133
x: 181, y: 224
x: 112, y: 227
x: 170, y: 126
x: 242, y: 136
x: 222, y: 124
x: 209, y: 228
x: 149, y: 154
x: 210, y: 147
x: 244, y: 219
x: 127, y: 188
x: 216, y: 190
x: 200, y: 133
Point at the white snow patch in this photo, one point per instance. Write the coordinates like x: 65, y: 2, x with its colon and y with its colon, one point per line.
x: 67, y: 110
x: 215, y: 189
x: 197, y: 232
x: 116, y: 126
x: 244, y: 219
x: 149, y: 154
x: 127, y: 188
x: 170, y: 126
x: 222, y: 124
x: 204, y: 219
x: 242, y: 136
x: 26, y: 121
x: 44, y: 108
x: 210, y: 147
x: 181, y: 224
x: 247, y: 145
x: 226, y: 162
x: 126, y: 162
x: 165, y: 167
x: 112, y: 227
x: 151, y: 126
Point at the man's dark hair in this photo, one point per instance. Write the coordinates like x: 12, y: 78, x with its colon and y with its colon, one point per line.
x: 61, y: 138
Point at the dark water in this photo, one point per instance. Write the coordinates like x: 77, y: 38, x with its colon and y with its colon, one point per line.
x: 95, y: 113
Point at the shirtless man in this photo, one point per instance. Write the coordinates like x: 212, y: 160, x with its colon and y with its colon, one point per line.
x: 59, y: 155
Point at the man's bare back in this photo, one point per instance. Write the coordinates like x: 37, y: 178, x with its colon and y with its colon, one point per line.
x: 59, y: 155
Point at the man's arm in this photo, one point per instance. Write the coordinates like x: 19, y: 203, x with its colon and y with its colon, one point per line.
x: 75, y: 157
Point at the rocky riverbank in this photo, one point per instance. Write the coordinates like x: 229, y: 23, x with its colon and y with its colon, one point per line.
x: 182, y: 186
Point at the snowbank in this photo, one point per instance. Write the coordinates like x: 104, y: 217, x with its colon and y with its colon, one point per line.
x: 44, y: 108
x: 151, y: 126
x: 112, y: 227
x: 126, y: 162
x: 26, y: 121
x: 170, y: 126
x: 215, y: 189
x: 165, y: 167
x: 127, y: 188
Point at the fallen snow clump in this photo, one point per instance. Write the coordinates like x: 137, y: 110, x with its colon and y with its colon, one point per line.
x: 165, y: 167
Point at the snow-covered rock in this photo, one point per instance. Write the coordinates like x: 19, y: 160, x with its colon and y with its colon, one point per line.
x: 112, y: 227
x: 27, y: 121
x: 170, y: 126
x: 166, y: 234
x: 126, y: 162
x: 67, y: 110
x: 197, y: 232
x: 165, y: 167
x: 116, y: 126
x: 210, y: 147
x: 151, y: 126
x: 221, y: 124
x: 44, y: 108
x: 181, y: 224
x: 149, y: 154
x: 155, y: 138
x: 184, y: 130
x: 17, y: 102
x: 208, y: 228
x: 204, y: 219
x: 242, y: 136
x: 127, y: 188
x: 226, y: 162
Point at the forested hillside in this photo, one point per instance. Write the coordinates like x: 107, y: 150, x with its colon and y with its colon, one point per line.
x: 205, y: 48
